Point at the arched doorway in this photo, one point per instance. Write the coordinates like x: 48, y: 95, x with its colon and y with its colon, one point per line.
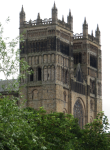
x: 79, y: 113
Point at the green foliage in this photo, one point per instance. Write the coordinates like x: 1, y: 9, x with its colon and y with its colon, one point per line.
x: 63, y: 131
x: 55, y: 127
x: 28, y: 129
x: 10, y: 60
x: 15, y: 131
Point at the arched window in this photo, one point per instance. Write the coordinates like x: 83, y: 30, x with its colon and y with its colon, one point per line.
x: 35, y: 95
x: 32, y: 75
x: 36, y: 47
x: 30, y: 48
x: 39, y: 74
x: 33, y: 47
x: 64, y: 95
x: 91, y: 105
x: 78, y: 112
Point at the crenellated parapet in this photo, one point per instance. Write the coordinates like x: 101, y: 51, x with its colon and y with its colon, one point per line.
x: 78, y: 36
x: 53, y: 20
x: 37, y: 22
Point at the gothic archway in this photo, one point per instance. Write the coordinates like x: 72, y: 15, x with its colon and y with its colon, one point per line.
x: 79, y: 113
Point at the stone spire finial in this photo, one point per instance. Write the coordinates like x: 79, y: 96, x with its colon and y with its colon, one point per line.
x: 54, y: 6
x: 92, y: 32
x: 38, y: 17
x: 85, y: 21
x: 22, y: 16
x: 69, y: 12
x: 85, y: 29
x: 97, y: 34
x: 97, y: 27
x: 63, y: 18
x: 22, y: 10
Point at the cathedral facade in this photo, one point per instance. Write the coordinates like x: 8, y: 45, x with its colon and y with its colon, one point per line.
x: 67, y: 69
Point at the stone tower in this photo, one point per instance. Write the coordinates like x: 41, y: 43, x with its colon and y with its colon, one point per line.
x: 66, y: 67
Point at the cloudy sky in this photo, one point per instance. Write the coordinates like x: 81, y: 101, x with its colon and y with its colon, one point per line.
x: 95, y: 11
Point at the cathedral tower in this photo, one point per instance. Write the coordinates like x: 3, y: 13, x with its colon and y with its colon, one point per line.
x: 66, y: 67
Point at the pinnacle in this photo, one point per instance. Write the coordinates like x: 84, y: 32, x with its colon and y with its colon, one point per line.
x: 97, y: 27
x: 54, y: 5
x: 92, y: 33
x: 63, y: 18
x: 22, y: 9
x: 85, y: 21
x: 38, y: 17
x: 69, y: 12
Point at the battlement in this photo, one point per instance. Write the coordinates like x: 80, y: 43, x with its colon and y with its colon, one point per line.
x: 45, y: 22
x: 78, y: 36
x: 90, y: 37
x: 53, y: 20
x: 37, y: 22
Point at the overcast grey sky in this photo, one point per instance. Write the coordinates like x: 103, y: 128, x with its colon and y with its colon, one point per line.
x: 95, y: 11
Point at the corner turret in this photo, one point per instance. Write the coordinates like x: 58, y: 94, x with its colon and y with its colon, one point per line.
x: 22, y: 16
x: 92, y: 35
x: 54, y: 14
x: 63, y: 18
x: 85, y: 29
x: 97, y: 34
x: 38, y: 18
x: 70, y: 20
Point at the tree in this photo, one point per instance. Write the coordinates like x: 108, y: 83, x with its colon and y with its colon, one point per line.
x: 10, y: 61
x: 30, y: 129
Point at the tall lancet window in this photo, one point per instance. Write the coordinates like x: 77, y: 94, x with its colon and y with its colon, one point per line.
x: 39, y: 74
x: 78, y: 113
x: 32, y: 75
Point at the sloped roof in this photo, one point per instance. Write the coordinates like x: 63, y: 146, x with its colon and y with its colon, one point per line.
x: 5, y: 85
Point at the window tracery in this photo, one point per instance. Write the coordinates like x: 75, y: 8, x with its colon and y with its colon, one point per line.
x: 78, y: 112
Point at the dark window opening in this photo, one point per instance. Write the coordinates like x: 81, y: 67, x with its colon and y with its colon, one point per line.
x: 39, y: 74
x: 64, y: 93
x: 36, y: 47
x: 64, y: 48
x: 93, y: 61
x: 33, y: 47
x: 31, y: 77
x: 23, y: 48
x: 77, y: 58
x: 30, y: 48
